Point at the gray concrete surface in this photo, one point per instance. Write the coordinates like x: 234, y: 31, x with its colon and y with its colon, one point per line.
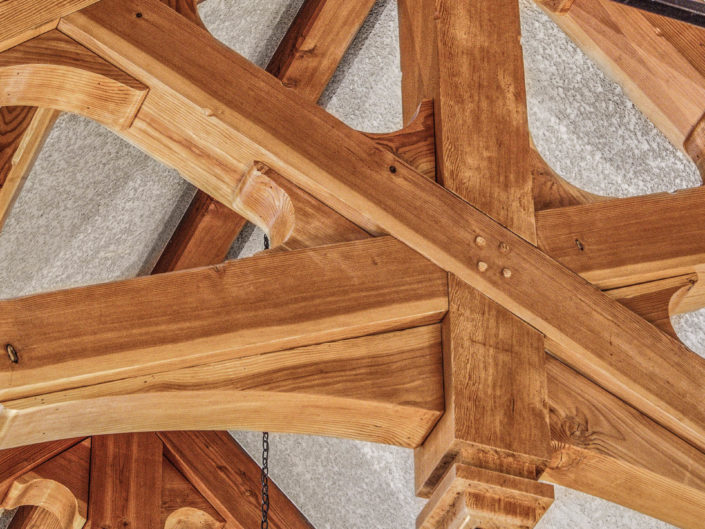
x: 95, y: 209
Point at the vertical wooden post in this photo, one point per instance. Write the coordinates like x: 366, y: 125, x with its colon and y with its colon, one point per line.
x: 126, y: 478
x: 481, y: 462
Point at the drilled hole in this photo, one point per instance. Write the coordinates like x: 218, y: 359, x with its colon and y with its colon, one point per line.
x: 392, y: 169
x: 580, y: 245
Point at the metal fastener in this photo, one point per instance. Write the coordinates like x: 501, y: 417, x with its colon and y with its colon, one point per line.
x: 507, y: 273
x: 482, y: 266
x: 12, y: 354
x: 480, y: 241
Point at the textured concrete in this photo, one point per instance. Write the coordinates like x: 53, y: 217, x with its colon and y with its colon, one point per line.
x: 95, y: 209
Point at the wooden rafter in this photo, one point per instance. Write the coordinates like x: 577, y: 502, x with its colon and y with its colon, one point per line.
x: 264, y: 152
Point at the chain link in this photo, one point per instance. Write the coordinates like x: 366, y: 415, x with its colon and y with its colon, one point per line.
x: 265, y: 481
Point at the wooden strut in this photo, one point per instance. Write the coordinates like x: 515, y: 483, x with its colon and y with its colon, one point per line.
x: 339, y: 186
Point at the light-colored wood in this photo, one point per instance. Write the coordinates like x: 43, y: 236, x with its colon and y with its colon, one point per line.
x: 469, y: 498
x: 54, y: 71
x: 658, y: 61
x: 126, y: 479
x: 628, y: 241
x: 28, y: 517
x: 21, y: 20
x: 340, y: 167
x: 556, y: 6
x: 311, y: 50
x: 23, y: 131
x: 229, y: 479
x: 495, y: 393
x: 250, y: 306
x: 491, y: 169
x: 606, y: 448
x: 183, y: 507
x: 385, y: 388
x: 304, y: 61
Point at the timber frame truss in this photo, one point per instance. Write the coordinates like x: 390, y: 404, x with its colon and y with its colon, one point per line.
x: 444, y: 289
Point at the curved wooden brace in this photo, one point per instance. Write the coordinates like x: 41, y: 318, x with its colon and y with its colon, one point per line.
x: 54, y: 71
x: 384, y: 388
x: 694, y: 145
x: 190, y: 518
x: 266, y: 204
x: 47, y: 494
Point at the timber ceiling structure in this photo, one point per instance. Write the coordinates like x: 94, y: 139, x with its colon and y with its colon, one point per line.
x: 439, y: 287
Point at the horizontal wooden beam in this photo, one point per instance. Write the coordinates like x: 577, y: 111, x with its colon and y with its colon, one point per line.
x: 606, y: 448
x: 237, y: 114
x: 251, y: 306
x: 385, y: 388
x: 628, y: 241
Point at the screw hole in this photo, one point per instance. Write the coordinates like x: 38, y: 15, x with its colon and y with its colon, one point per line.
x: 139, y: 15
x: 580, y: 245
x: 392, y: 169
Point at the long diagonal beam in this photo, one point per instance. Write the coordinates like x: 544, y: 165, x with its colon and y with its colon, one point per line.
x: 237, y: 114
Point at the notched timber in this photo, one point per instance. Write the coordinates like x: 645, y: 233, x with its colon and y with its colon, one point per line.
x: 385, y: 388
x: 54, y: 71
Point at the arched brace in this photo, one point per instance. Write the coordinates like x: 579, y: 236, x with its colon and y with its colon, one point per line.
x: 190, y: 518
x: 188, y: 9
x: 54, y: 71
x: 48, y: 494
x: 694, y: 145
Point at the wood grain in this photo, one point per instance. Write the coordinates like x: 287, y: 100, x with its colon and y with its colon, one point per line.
x: 250, y: 306
x: 469, y: 498
x: 28, y: 517
x: 385, y: 388
x: 229, y: 479
x: 656, y: 60
x: 608, y: 449
x: 54, y: 71
x: 23, y: 131
x: 126, y: 479
x: 628, y: 241
x: 259, y: 120
x: 183, y: 507
x: 495, y: 392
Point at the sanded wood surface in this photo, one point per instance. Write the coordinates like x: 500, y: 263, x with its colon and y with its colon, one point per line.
x: 54, y: 71
x: 24, y: 19
x: 385, y: 388
x: 126, y: 478
x: 495, y: 392
x: 250, y: 306
x: 608, y: 449
x: 34, y: 518
x: 658, y: 61
x: 596, y: 335
x: 23, y: 131
x: 229, y: 479
x: 470, y: 498
x: 628, y: 241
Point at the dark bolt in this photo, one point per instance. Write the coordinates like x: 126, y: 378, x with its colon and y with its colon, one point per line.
x: 12, y: 354
x: 392, y: 169
x: 139, y: 15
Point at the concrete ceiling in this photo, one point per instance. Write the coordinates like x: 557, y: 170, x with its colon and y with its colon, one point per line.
x: 96, y: 209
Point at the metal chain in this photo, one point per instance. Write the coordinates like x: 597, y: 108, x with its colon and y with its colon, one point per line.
x: 265, y: 459
x: 265, y: 481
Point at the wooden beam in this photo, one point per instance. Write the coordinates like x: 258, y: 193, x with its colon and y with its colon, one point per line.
x: 126, y: 479
x: 18, y: 461
x: 23, y: 131
x: 53, y: 71
x: 628, y: 241
x: 59, y: 485
x: 28, y: 517
x: 305, y: 60
x: 606, y: 448
x: 250, y: 306
x: 21, y: 20
x: 259, y: 120
x: 183, y: 507
x: 385, y: 388
x: 655, y: 59
x: 229, y: 479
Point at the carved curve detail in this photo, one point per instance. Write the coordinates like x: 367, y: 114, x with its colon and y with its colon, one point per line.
x: 47, y: 494
x: 190, y: 518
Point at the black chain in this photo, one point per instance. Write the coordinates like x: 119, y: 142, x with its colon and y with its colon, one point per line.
x: 265, y: 480
x: 265, y: 459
